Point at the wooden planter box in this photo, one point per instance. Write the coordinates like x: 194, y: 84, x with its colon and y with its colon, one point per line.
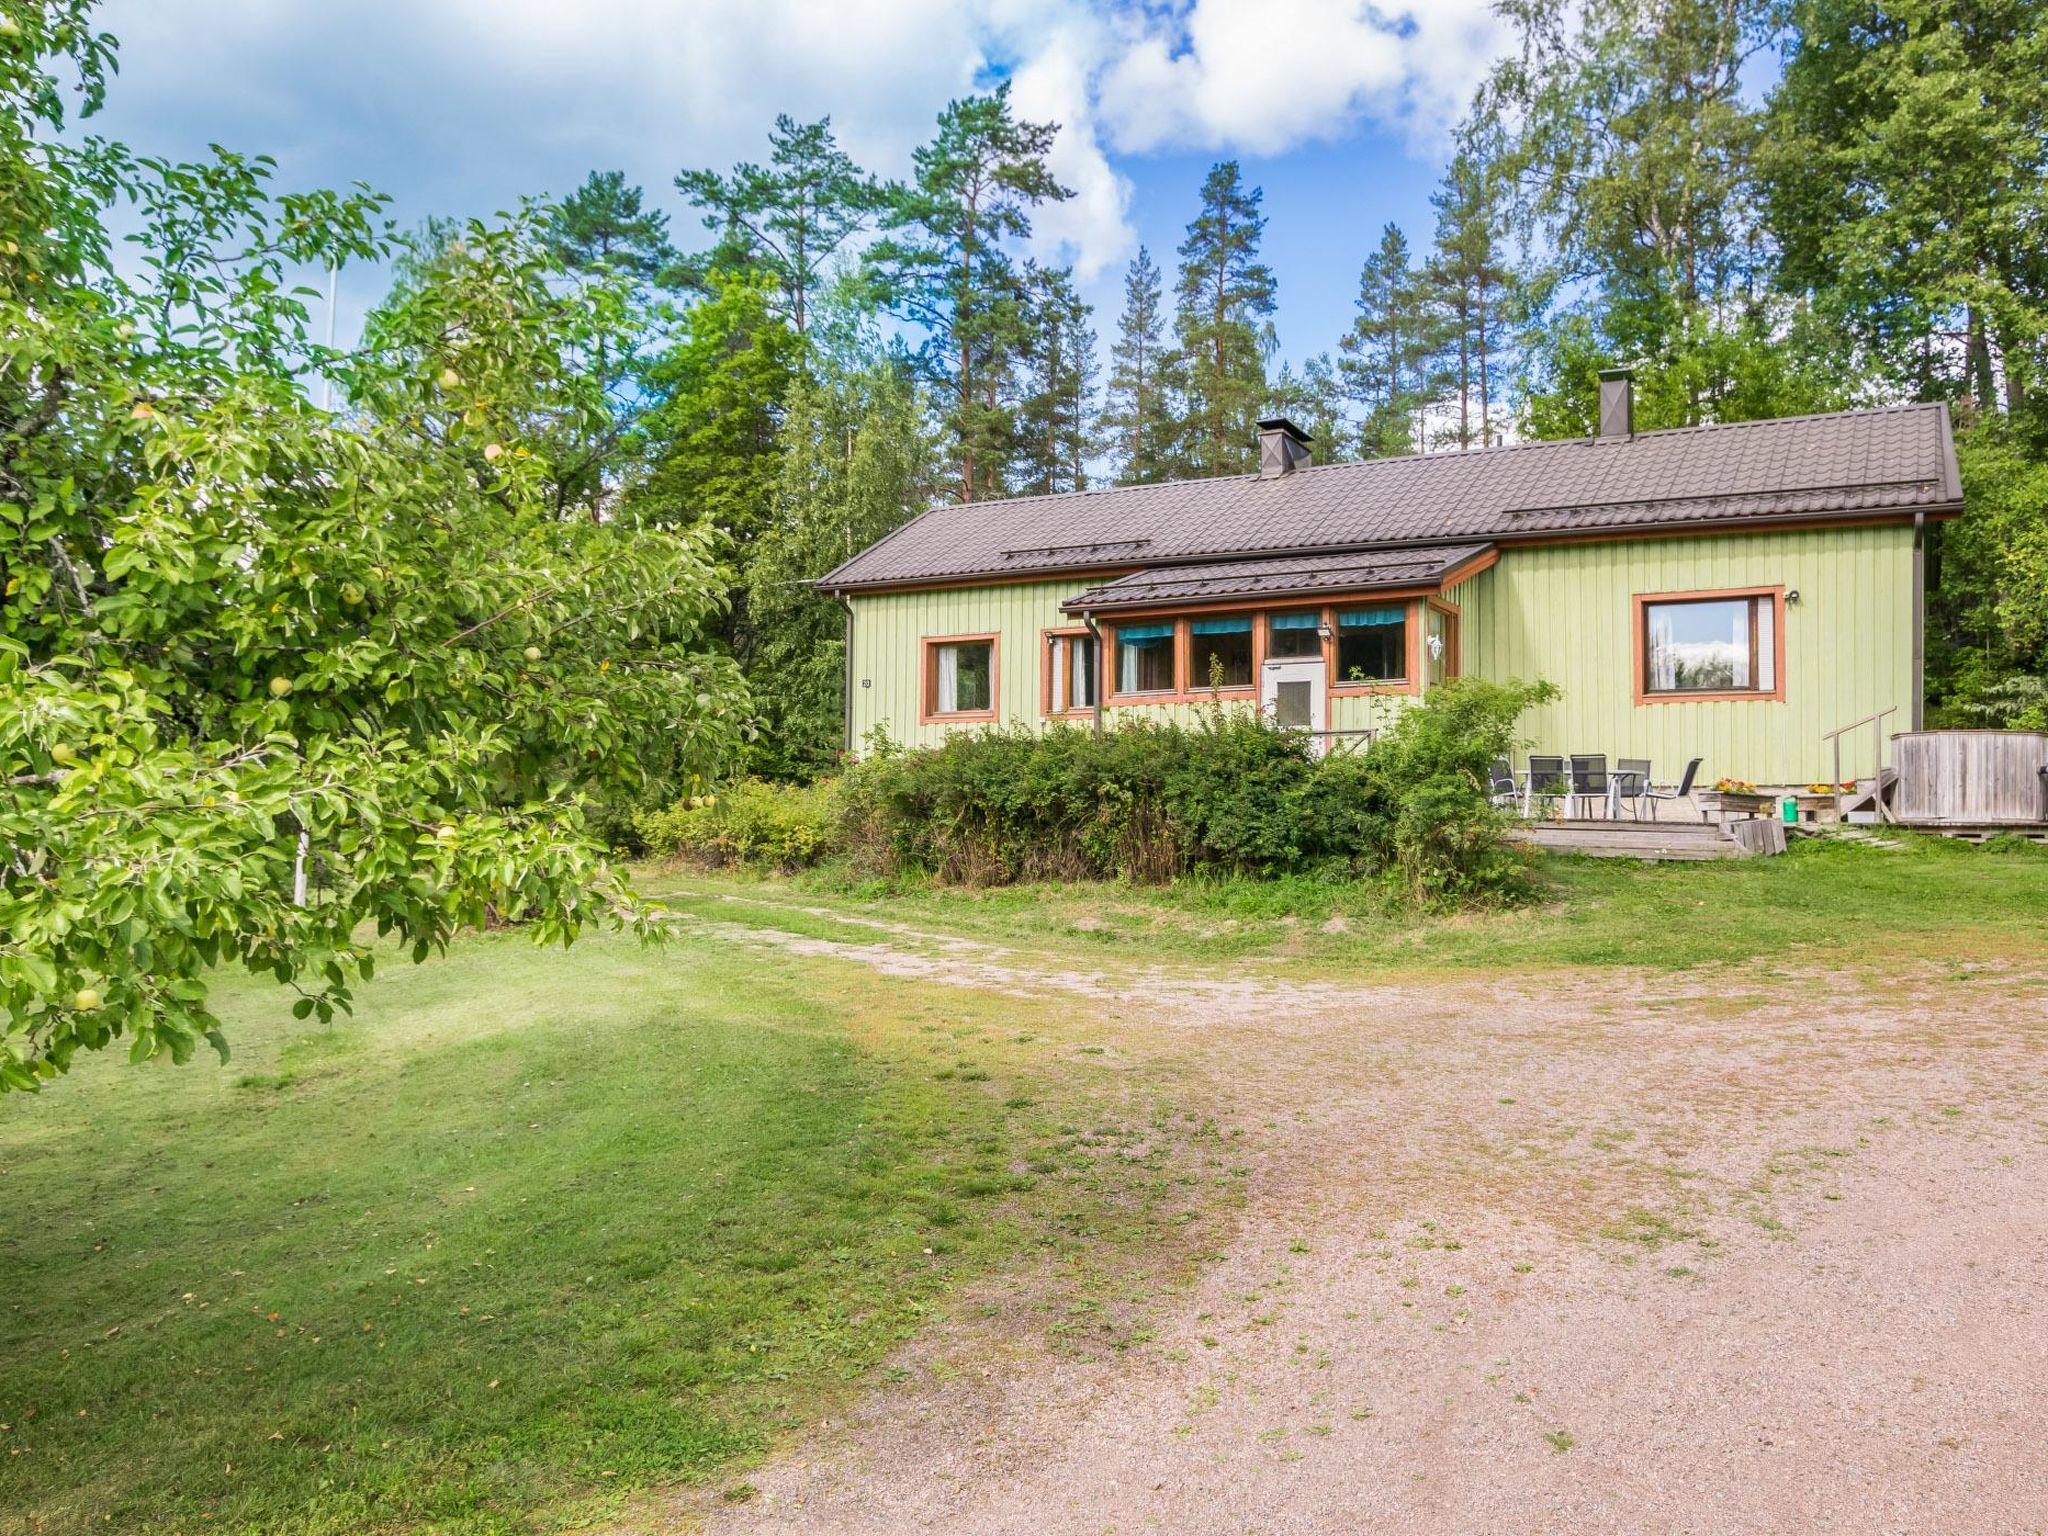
x: 1728, y: 804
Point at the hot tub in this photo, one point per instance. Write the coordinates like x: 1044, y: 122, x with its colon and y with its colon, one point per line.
x: 1971, y: 778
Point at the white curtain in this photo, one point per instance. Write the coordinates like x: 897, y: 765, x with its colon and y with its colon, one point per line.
x: 949, y: 679
x: 1663, y: 656
x: 1738, y: 652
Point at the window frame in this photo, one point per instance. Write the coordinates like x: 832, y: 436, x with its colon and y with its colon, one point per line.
x: 1196, y: 686
x: 1049, y: 641
x: 1411, y: 613
x: 1643, y: 602
x: 928, y: 712
x: 1111, y: 659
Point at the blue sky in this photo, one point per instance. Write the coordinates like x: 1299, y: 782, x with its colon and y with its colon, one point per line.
x: 1337, y: 108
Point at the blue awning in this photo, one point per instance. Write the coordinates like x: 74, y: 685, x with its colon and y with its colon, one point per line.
x: 1359, y: 618
x: 1143, y: 631
x: 1296, y: 620
x: 1240, y: 625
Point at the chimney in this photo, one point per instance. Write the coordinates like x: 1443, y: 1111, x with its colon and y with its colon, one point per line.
x: 1283, y: 448
x: 1617, y: 402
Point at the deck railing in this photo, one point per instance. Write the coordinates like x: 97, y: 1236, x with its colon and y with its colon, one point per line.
x: 1876, y: 722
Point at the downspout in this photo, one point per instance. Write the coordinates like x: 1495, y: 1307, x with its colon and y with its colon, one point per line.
x: 1919, y: 620
x: 846, y: 677
x: 1095, y: 631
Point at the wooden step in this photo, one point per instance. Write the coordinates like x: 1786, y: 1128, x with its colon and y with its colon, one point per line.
x: 1626, y: 840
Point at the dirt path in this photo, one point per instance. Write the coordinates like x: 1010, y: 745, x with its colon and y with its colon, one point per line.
x: 1708, y: 1253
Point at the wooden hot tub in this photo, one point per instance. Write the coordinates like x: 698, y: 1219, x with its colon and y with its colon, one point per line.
x: 1971, y: 778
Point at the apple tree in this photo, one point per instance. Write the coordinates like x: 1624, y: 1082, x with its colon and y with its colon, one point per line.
x: 230, y: 618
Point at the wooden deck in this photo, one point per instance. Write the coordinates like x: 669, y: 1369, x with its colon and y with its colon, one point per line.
x: 1654, y: 840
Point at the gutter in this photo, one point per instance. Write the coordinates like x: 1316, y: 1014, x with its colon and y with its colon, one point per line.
x: 1095, y: 632
x: 1919, y: 618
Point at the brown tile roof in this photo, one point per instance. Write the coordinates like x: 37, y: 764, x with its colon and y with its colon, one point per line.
x: 1898, y: 459
x: 1225, y: 579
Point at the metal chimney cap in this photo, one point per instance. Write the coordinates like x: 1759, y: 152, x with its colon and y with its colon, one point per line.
x: 1283, y: 448
x: 1282, y: 424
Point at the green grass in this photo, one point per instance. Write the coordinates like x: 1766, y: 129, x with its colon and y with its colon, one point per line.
x: 1826, y: 898
x: 533, y: 1231
x: 539, y: 1230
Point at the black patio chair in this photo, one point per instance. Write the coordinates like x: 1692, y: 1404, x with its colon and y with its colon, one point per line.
x: 1589, y: 776
x: 1630, y: 785
x: 1544, y: 776
x: 1678, y: 792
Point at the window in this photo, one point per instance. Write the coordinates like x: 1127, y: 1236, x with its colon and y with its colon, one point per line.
x: 1294, y: 634
x: 1222, y: 653
x: 960, y: 677
x: 1071, y: 675
x: 1710, y: 645
x: 1144, y: 658
x: 1372, y: 645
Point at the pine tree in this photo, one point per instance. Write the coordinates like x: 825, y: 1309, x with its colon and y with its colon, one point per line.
x: 603, y: 227
x: 1056, y: 407
x: 1224, y: 300
x: 944, y: 266
x: 1137, y: 419
x: 1313, y: 400
x: 1467, y: 280
x: 1387, y: 351
x: 791, y: 216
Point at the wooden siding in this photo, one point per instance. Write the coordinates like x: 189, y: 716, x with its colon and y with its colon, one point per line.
x: 1563, y: 612
x: 1566, y: 613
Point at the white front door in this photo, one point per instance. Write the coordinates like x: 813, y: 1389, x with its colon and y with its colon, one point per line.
x: 1294, y: 694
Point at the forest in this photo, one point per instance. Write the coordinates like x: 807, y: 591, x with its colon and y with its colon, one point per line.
x: 837, y: 351
x: 430, y: 615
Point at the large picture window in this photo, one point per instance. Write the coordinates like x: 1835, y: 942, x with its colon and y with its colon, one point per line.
x: 960, y: 677
x: 1144, y: 658
x: 1372, y: 645
x: 1709, y: 645
x: 1222, y: 652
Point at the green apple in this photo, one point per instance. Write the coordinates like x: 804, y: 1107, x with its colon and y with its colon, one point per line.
x: 86, y: 999
x: 351, y: 594
x: 531, y: 653
x: 450, y: 379
x: 280, y: 686
x: 62, y: 755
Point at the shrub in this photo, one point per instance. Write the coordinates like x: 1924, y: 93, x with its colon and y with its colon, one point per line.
x: 1230, y: 795
x: 783, y: 826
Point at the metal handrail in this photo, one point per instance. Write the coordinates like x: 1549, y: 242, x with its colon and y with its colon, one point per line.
x: 1875, y: 721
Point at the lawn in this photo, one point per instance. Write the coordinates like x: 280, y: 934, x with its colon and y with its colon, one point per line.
x: 535, y: 1230
x: 1826, y: 899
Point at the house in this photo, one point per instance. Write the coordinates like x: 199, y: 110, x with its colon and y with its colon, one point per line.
x: 1729, y: 592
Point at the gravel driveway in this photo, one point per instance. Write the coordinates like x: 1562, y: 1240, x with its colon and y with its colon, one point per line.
x: 1739, y: 1251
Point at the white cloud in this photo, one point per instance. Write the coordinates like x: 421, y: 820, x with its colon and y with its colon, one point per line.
x: 488, y: 98
x: 1264, y: 75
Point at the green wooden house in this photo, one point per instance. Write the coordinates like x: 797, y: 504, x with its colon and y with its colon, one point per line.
x: 1732, y: 592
